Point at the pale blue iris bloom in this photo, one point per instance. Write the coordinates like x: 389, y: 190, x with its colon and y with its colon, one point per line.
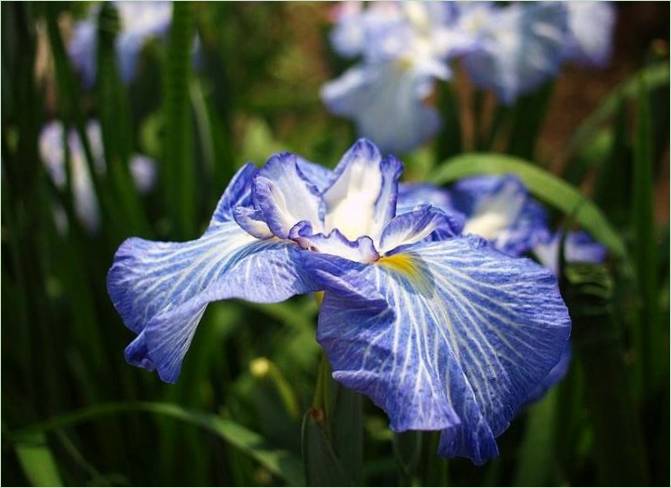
x: 441, y: 330
x: 143, y: 169
x: 516, y: 48
x: 405, y: 48
x: 139, y: 22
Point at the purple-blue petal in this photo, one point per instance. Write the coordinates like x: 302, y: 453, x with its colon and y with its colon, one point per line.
x: 555, y: 375
x: 466, y: 334
x: 237, y: 193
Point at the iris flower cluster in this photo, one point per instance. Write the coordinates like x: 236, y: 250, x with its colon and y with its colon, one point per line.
x: 405, y: 47
x: 428, y: 308
x: 52, y: 152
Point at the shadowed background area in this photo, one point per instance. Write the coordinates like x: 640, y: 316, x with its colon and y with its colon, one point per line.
x: 169, y: 114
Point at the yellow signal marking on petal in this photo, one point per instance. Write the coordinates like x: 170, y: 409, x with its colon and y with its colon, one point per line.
x: 401, y: 263
x: 409, y: 268
x: 319, y: 297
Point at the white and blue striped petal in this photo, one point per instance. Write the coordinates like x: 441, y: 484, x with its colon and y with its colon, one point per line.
x: 285, y: 196
x: 362, y: 198
x: 361, y: 250
x: 500, y: 210
x: 449, y: 335
x: 423, y: 223
x: 161, y: 289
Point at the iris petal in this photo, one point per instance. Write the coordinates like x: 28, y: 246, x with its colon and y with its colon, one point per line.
x: 467, y: 334
x: 424, y: 223
x: 316, y: 174
x: 386, y: 102
x: 579, y: 247
x: 362, y: 198
x: 591, y: 32
x: 285, y: 195
x: 411, y: 195
x: 361, y: 250
x: 237, y: 193
x: 520, y: 48
x: 161, y: 289
x: 555, y: 375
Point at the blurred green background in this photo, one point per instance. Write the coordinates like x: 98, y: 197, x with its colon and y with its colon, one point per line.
x: 74, y: 413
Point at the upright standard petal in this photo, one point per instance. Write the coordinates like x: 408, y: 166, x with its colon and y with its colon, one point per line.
x: 499, y: 209
x: 467, y: 334
x: 362, y: 198
x: 386, y: 100
x: 316, y: 174
x: 285, y: 196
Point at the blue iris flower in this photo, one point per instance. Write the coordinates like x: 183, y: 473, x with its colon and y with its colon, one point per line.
x: 139, y: 22
x: 515, y: 48
x: 441, y: 330
x: 500, y: 210
x: 404, y: 47
x: 142, y: 168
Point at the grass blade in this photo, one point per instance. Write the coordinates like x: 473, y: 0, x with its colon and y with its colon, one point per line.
x: 537, y: 465
x: 37, y: 461
x: 115, y: 123
x: 279, y: 462
x: 179, y: 171
x: 655, y: 76
x: 619, y: 449
x: 645, y: 249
